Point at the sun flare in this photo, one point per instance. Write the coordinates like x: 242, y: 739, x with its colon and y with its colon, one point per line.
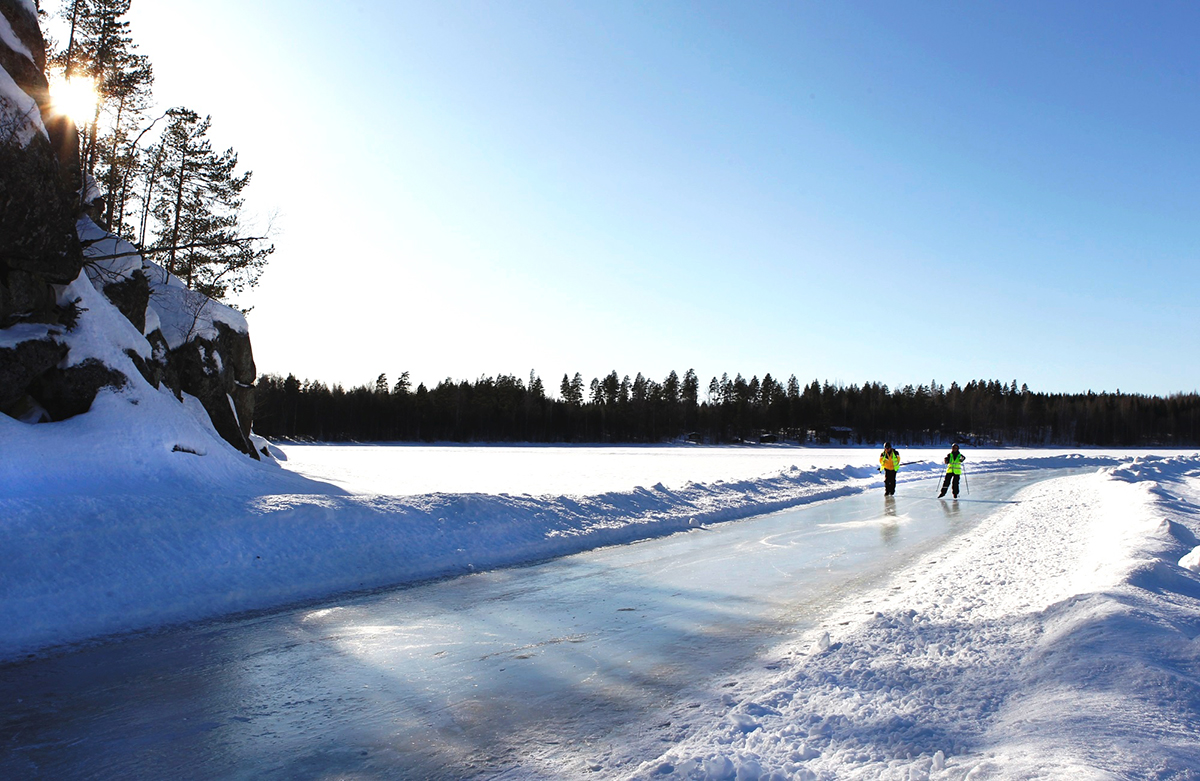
x: 76, y: 98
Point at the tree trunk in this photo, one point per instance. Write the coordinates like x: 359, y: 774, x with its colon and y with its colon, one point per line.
x: 71, y: 41
x: 151, y: 179
x: 112, y: 176
x: 178, y: 208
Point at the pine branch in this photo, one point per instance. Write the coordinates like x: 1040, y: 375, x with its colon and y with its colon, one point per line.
x: 176, y: 248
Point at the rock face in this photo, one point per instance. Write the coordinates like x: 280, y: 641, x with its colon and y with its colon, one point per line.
x: 202, y: 348
x: 37, y: 242
x: 220, y: 373
x: 80, y: 309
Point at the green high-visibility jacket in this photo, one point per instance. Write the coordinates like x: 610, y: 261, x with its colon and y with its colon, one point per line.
x: 954, y: 462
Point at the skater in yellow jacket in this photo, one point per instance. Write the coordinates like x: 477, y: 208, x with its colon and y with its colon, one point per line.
x: 889, y: 463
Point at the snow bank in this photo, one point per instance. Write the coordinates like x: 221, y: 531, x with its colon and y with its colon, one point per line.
x: 103, y: 558
x: 183, y: 314
x: 109, y: 258
x: 1061, y: 640
x: 135, y: 535
x: 106, y: 335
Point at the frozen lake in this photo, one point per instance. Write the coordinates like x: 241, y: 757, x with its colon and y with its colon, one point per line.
x: 554, y: 669
x: 403, y: 469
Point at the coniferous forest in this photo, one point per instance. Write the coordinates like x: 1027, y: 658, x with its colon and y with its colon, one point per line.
x: 616, y: 409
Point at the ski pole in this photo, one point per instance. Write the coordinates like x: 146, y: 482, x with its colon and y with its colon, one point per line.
x: 966, y: 482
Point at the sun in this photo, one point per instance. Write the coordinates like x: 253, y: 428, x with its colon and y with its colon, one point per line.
x: 76, y: 98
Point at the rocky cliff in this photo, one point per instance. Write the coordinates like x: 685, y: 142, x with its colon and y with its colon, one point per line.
x: 81, y: 311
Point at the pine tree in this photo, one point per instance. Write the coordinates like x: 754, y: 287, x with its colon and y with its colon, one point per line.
x: 537, y: 390
x: 670, y: 388
x: 403, y: 385
x: 100, y: 49
x: 117, y: 155
x: 79, y: 9
x: 611, y: 387
x: 572, y: 390
x: 105, y: 52
x: 691, y: 389
x: 640, y: 391
x: 577, y: 389
x: 198, y: 212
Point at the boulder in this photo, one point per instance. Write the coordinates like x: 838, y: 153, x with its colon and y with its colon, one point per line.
x: 22, y: 364
x: 220, y: 373
x: 25, y: 297
x: 65, y: 393
x: 130, y: 296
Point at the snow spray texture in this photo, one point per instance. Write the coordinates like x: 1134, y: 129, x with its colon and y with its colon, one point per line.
x: 1057, y: 641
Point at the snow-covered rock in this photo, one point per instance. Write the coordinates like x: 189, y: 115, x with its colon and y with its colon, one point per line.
x: 80, y: 309
x: 39, y: 160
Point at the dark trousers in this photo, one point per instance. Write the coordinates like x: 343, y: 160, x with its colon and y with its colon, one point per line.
x: 889, y: 482
x: 950, y: 476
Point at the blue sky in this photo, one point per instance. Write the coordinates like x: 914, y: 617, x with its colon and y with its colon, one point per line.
x: 855, y: 191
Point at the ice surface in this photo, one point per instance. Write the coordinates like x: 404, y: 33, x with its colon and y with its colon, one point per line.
x: 125, y: 499
x: 1005, y: 651
x: 1048, y: 633
x: 482, y: 670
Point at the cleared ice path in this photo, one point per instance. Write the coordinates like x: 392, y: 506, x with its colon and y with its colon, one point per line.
x: 472, y: 675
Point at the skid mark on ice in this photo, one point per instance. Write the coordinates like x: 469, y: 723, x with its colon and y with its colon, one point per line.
x: 579, y: 638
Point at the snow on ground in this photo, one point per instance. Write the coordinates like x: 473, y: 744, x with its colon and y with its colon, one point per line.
x: 405, y: 469
x: 1061, y: 640
x: 113, y: 525
x: 1058, y: 640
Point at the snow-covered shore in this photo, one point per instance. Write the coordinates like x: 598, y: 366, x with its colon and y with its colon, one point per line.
x: 155, y: 546
x: 1060, y: 641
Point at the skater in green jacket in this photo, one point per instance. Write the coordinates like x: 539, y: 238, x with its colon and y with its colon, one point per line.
x: 954, y: 469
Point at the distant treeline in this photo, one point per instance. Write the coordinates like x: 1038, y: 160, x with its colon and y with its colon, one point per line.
x: 616, y: 409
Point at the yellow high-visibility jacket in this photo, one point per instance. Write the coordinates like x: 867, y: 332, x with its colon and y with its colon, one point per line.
x: 890, y: 462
